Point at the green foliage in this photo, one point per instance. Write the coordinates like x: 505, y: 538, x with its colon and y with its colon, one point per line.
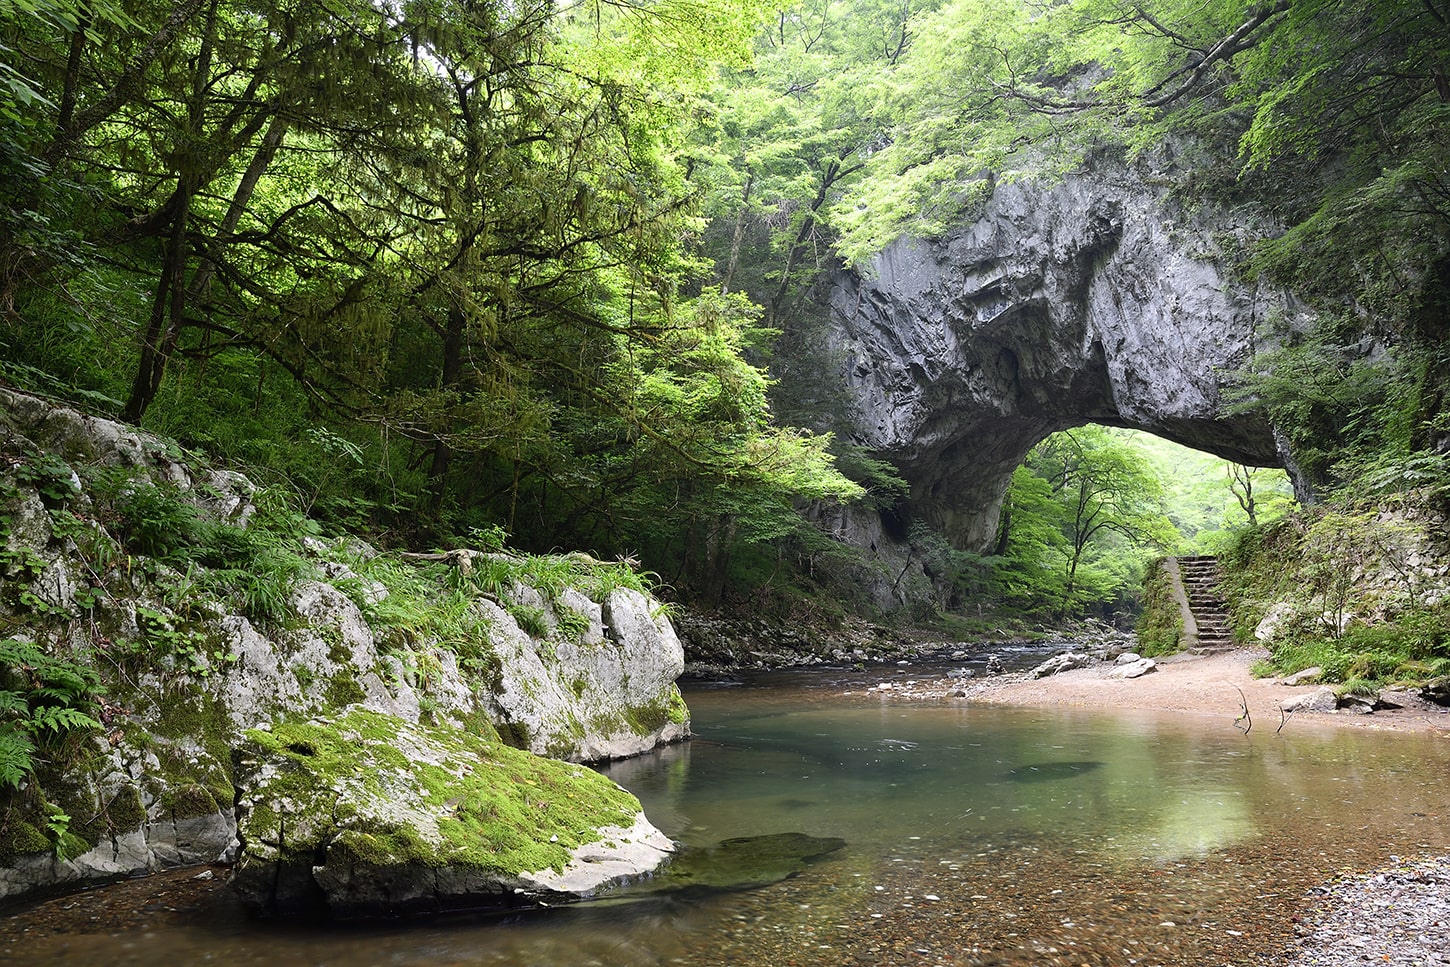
x: 485, y: 312
x: 1160, y: 627
x: 1320, y: 561
x: 1208, y: 499
x: 1081, y: 518
x: 256, y: 561
x: 572, y: 624
x: 165, y: 641
x: 44, y: 699
x: 522, y: 266
x: 530, y: 619
x: 48, y: 475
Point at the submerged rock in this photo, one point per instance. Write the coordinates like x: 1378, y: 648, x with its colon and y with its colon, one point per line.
x: 740, y: 863
x: 371, y: 815
x: 1050, y: 771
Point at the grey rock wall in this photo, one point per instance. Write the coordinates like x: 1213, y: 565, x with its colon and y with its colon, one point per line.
x: 1097, y: 299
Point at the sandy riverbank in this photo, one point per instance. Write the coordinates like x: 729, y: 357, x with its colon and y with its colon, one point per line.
x: 1217, y: 685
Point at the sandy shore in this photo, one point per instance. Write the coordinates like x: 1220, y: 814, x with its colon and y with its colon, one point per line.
x: 1218, y: 685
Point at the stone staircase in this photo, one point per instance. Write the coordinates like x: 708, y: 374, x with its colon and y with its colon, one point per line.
x: 1200, y: 584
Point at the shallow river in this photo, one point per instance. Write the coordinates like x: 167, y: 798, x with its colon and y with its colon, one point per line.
x: 974, y: 835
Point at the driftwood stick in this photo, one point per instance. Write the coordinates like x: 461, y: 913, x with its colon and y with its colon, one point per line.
x: 461, y: 558
x: 1244, y: 717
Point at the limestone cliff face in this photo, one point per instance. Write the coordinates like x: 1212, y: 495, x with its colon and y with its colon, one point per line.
x: 1097, y: 299
x: 124, y: 559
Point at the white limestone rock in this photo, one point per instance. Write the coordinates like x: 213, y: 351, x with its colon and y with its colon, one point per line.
x: 1134, y: 669
x: 1058, y: 664
x: 1319, y: 700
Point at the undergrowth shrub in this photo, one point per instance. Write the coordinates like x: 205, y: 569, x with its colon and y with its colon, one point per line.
x: 1318, y: 562
x: 44, y: 700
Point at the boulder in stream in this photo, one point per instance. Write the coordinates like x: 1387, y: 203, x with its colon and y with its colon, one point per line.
x: 369, y: 815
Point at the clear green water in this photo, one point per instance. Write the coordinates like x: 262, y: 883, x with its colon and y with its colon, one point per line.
x: 975, y: 835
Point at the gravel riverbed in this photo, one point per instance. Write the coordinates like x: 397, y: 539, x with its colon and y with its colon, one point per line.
x: 1399, y: 915
x: 1276, y: 912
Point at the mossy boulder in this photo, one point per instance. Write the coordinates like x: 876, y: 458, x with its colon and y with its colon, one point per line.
x: 368, y: 814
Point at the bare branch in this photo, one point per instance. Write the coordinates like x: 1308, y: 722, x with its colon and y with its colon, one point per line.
x: 1244, y: 723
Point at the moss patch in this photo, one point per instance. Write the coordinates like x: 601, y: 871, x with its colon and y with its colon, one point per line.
x: 679, y: 712
x: 343, y: 690
x: 651, y: 718
x: 475, y: 802
x: 189, y: 800
x: 125, y: 812
x: 1160, y: 627
x: 19, y: 837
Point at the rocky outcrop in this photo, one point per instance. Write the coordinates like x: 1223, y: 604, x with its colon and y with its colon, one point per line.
x: 604, y: 693
x: 370, y: 815
x: 190, y: 619
x: 1096, y: 299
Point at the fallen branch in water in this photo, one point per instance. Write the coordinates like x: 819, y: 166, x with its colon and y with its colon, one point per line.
x: 1248, y: 722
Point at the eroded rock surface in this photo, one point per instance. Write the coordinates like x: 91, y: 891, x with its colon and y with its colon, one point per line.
x: 186, y: 666
x: 1097, y: 299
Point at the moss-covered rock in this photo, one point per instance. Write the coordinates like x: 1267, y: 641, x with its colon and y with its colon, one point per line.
x: 201, y: 612
x: 369, y: 814
x: 1160, y: 626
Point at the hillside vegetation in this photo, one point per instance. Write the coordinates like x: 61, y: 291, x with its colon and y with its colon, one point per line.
x: 442, y: 270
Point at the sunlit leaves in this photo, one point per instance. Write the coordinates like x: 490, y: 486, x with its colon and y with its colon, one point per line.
x: 1084, y: 511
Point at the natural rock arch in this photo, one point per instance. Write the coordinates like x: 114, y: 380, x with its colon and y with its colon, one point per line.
x: 1094, y: 300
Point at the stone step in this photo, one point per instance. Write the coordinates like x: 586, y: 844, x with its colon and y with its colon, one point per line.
x: 1199, y: 576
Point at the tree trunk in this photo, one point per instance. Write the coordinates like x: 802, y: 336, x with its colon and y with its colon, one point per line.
x: 716, y: 565
x: 256, y: 168
x: 168, y: 310
x: 735, y: 242
x: 66, y: 114
x: 450, y: 378
x: 131, y: 81
x: 170, y: 302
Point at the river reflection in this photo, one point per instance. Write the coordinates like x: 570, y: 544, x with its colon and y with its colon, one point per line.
x: 975, y: 835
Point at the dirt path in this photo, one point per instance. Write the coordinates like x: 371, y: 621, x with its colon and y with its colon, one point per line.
x: 1202, y: 685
